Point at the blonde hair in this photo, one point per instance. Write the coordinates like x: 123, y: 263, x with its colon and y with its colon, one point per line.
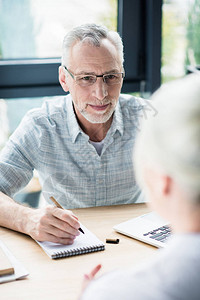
x: 171, y: 139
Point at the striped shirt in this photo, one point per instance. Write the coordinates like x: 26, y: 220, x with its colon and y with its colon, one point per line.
x: 50, y: 140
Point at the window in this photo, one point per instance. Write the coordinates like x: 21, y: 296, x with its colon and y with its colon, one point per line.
x: 31, y: 35
x: 35, y: 29
x: 180, y: 38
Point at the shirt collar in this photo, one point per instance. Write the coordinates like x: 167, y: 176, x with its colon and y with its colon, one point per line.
x: 117, y: 123
x: 75, y: 130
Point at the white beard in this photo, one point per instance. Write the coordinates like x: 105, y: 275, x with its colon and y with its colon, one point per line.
x: 99, y: 117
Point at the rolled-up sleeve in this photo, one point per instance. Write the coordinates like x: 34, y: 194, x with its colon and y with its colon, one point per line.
x: 17, y: 158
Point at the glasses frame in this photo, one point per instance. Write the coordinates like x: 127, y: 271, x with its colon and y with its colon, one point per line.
x: 74, y: 76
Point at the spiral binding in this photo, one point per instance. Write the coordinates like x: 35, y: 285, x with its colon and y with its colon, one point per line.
x: 78, y: 251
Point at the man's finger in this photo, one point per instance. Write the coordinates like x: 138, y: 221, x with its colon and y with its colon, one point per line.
x: 55, y: 239
x: 66, y: 216
x: 60, y: 233
x: 63, y: 226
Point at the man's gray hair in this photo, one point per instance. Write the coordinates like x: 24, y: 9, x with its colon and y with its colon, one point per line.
x: 170, y: 141
x: 93, y: 34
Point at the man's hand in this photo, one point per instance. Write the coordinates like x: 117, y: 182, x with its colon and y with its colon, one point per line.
x: 50, y: 224
x: 53, y: 224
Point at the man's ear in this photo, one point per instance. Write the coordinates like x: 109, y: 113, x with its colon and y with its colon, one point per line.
x: 62, y: 79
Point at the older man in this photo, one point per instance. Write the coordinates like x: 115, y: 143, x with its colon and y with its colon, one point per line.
x: 81, y: 145
x: 168, y: 168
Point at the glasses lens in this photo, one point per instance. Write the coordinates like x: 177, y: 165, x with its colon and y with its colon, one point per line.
x: 85, y: 80
x: 111, y: 79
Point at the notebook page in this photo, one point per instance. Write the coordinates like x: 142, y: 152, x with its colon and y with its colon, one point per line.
x: 83, y: 240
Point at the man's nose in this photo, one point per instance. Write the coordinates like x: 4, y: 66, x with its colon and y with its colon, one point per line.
x: 100, y: 89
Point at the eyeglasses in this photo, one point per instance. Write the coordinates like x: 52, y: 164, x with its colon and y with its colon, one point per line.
x: 89, y: 79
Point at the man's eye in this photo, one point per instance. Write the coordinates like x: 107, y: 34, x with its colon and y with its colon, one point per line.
x: 111, y: 76
x: 87, y: 78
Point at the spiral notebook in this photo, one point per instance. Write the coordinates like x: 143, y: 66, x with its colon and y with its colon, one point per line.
x: 84, y: 243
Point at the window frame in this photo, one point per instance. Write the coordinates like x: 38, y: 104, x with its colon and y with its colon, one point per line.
x: 139, y: 24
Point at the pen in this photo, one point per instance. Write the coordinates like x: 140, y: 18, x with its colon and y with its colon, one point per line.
x: 59, y: 206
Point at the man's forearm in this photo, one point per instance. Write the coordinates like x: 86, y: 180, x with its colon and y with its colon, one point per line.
x: 13, y: 215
